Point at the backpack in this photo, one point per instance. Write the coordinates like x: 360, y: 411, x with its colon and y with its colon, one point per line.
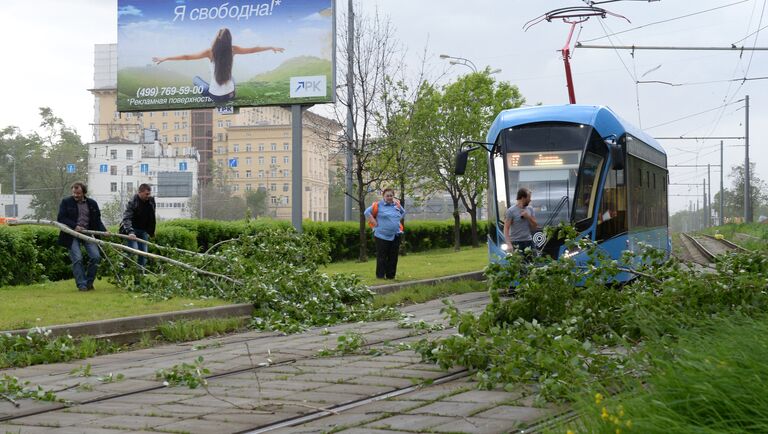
x: 375, y: 212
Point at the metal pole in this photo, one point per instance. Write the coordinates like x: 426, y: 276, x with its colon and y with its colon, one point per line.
x: 350, y: 101
x: 298, y: 189
x: 200, y: 191
x: 15, y: 211
x: 747, y: 196
x: 709, y: 197
x: 722, y: 191
x: 705, y: 219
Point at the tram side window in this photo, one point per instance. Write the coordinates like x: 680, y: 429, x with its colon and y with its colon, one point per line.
x: 612, y: 217
x: 648, y: 198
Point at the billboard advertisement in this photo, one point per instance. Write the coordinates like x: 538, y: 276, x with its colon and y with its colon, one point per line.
x: 186, y: 54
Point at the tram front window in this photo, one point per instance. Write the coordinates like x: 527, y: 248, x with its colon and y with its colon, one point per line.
x: 544, y: 158
x: 551, y: 177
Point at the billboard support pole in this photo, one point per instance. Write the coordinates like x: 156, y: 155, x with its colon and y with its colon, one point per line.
x: 350, y: 102
x: 296, y: 167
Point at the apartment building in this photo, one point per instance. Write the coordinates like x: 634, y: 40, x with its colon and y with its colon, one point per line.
x: 241, y: 152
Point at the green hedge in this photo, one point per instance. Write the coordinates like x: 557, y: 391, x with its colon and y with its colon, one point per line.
x: 31, y: 253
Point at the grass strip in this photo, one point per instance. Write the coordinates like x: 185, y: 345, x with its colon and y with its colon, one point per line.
x: 417, y: 266
x: 54, y: 303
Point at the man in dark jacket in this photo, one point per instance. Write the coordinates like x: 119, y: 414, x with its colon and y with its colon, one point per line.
x: 139, y: 220
x: 78, y: 213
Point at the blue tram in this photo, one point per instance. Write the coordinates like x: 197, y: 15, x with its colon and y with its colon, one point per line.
x: 585, y: 166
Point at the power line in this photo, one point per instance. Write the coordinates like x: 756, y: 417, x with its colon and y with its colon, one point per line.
x: 662, y: 47
x: 693, y: 115
x: 668, y: 20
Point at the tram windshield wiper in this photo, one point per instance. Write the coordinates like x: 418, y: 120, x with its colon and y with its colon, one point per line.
x: 563, y: 201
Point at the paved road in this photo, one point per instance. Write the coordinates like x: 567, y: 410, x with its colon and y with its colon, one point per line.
x: 267, y: 382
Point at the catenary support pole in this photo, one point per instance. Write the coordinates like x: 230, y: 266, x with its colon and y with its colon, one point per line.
x: 297, y: 190
x: 747, y: 193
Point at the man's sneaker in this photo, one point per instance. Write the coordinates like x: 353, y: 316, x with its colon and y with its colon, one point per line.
x: 82, y: 288
x: 90, y: 287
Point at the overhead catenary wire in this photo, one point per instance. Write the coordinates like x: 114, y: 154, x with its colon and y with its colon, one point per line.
x: 693, y: 115
x: 667, y: 20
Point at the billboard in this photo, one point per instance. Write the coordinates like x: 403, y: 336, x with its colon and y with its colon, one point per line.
x: 186, y: 54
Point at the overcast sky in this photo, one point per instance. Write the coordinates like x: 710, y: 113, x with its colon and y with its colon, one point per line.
x: 48, y: 61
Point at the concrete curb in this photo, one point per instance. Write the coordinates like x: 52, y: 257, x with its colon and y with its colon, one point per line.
x: 128, y: 329
x: 386, y: 289
x: 117, y: 327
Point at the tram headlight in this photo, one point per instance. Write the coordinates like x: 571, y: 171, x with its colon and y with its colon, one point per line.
x: 569, y: 254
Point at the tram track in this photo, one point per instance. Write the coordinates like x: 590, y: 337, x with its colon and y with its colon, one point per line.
x: 702, y: 249
x: 278, y: 360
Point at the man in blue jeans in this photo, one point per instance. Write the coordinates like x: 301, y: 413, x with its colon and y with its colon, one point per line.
x: 78, y: 213
x: 139, y: 220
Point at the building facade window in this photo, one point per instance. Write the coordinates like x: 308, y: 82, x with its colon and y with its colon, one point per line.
x: 247, y: 173
x: 113, y: 170
x: 129, y: 170
x: 285, y: 159
x: 113, y: 187
x: 274, y: 160
x: 235, y: 148
x: 113, y: 154
x: 285, y: 186
x: 248, y: 147
x: 286, y: 146
x: 261, y: 161
x: 129, y: 154
x: 248, y: 161
x: 273, y: 146
x: 261, y: 146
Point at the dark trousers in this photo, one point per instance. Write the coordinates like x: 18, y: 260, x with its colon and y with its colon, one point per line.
x: 520, y: 246
x: 386, y: 257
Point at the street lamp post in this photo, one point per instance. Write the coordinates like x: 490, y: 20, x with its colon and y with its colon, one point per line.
x: 454, y: 60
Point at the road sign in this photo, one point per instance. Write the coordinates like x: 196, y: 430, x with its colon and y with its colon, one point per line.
x: 233, y: 162
x: 183, y: 166
x: 103, y: 168
x: 71, y: 168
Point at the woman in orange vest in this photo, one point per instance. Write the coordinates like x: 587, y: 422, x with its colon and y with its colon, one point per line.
x: 384, y: 217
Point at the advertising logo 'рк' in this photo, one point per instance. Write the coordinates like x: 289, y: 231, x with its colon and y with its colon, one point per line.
x: 308, y: 86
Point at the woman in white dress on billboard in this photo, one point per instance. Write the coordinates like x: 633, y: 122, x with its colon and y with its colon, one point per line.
x: 221, y: 56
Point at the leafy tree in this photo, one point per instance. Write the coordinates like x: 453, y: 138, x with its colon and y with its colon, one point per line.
x: 112, y: 211
x: 462, y: 110
x: 374, y: 59
x: 48, y: 157
x: 733, y: 200
x: 256, y: 201
x: 218, y: 201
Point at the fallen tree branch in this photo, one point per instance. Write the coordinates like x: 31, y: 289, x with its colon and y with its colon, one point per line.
x: 149, y: 243
x: 64, y: 228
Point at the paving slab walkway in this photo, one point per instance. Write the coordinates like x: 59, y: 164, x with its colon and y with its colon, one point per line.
x: 269, y: 382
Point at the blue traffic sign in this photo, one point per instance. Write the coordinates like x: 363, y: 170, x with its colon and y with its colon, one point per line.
x: 103, y: 168
x: 233, y: 162
x: 71, y: 168
x: 182, y: 166
x: 144, y: 168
